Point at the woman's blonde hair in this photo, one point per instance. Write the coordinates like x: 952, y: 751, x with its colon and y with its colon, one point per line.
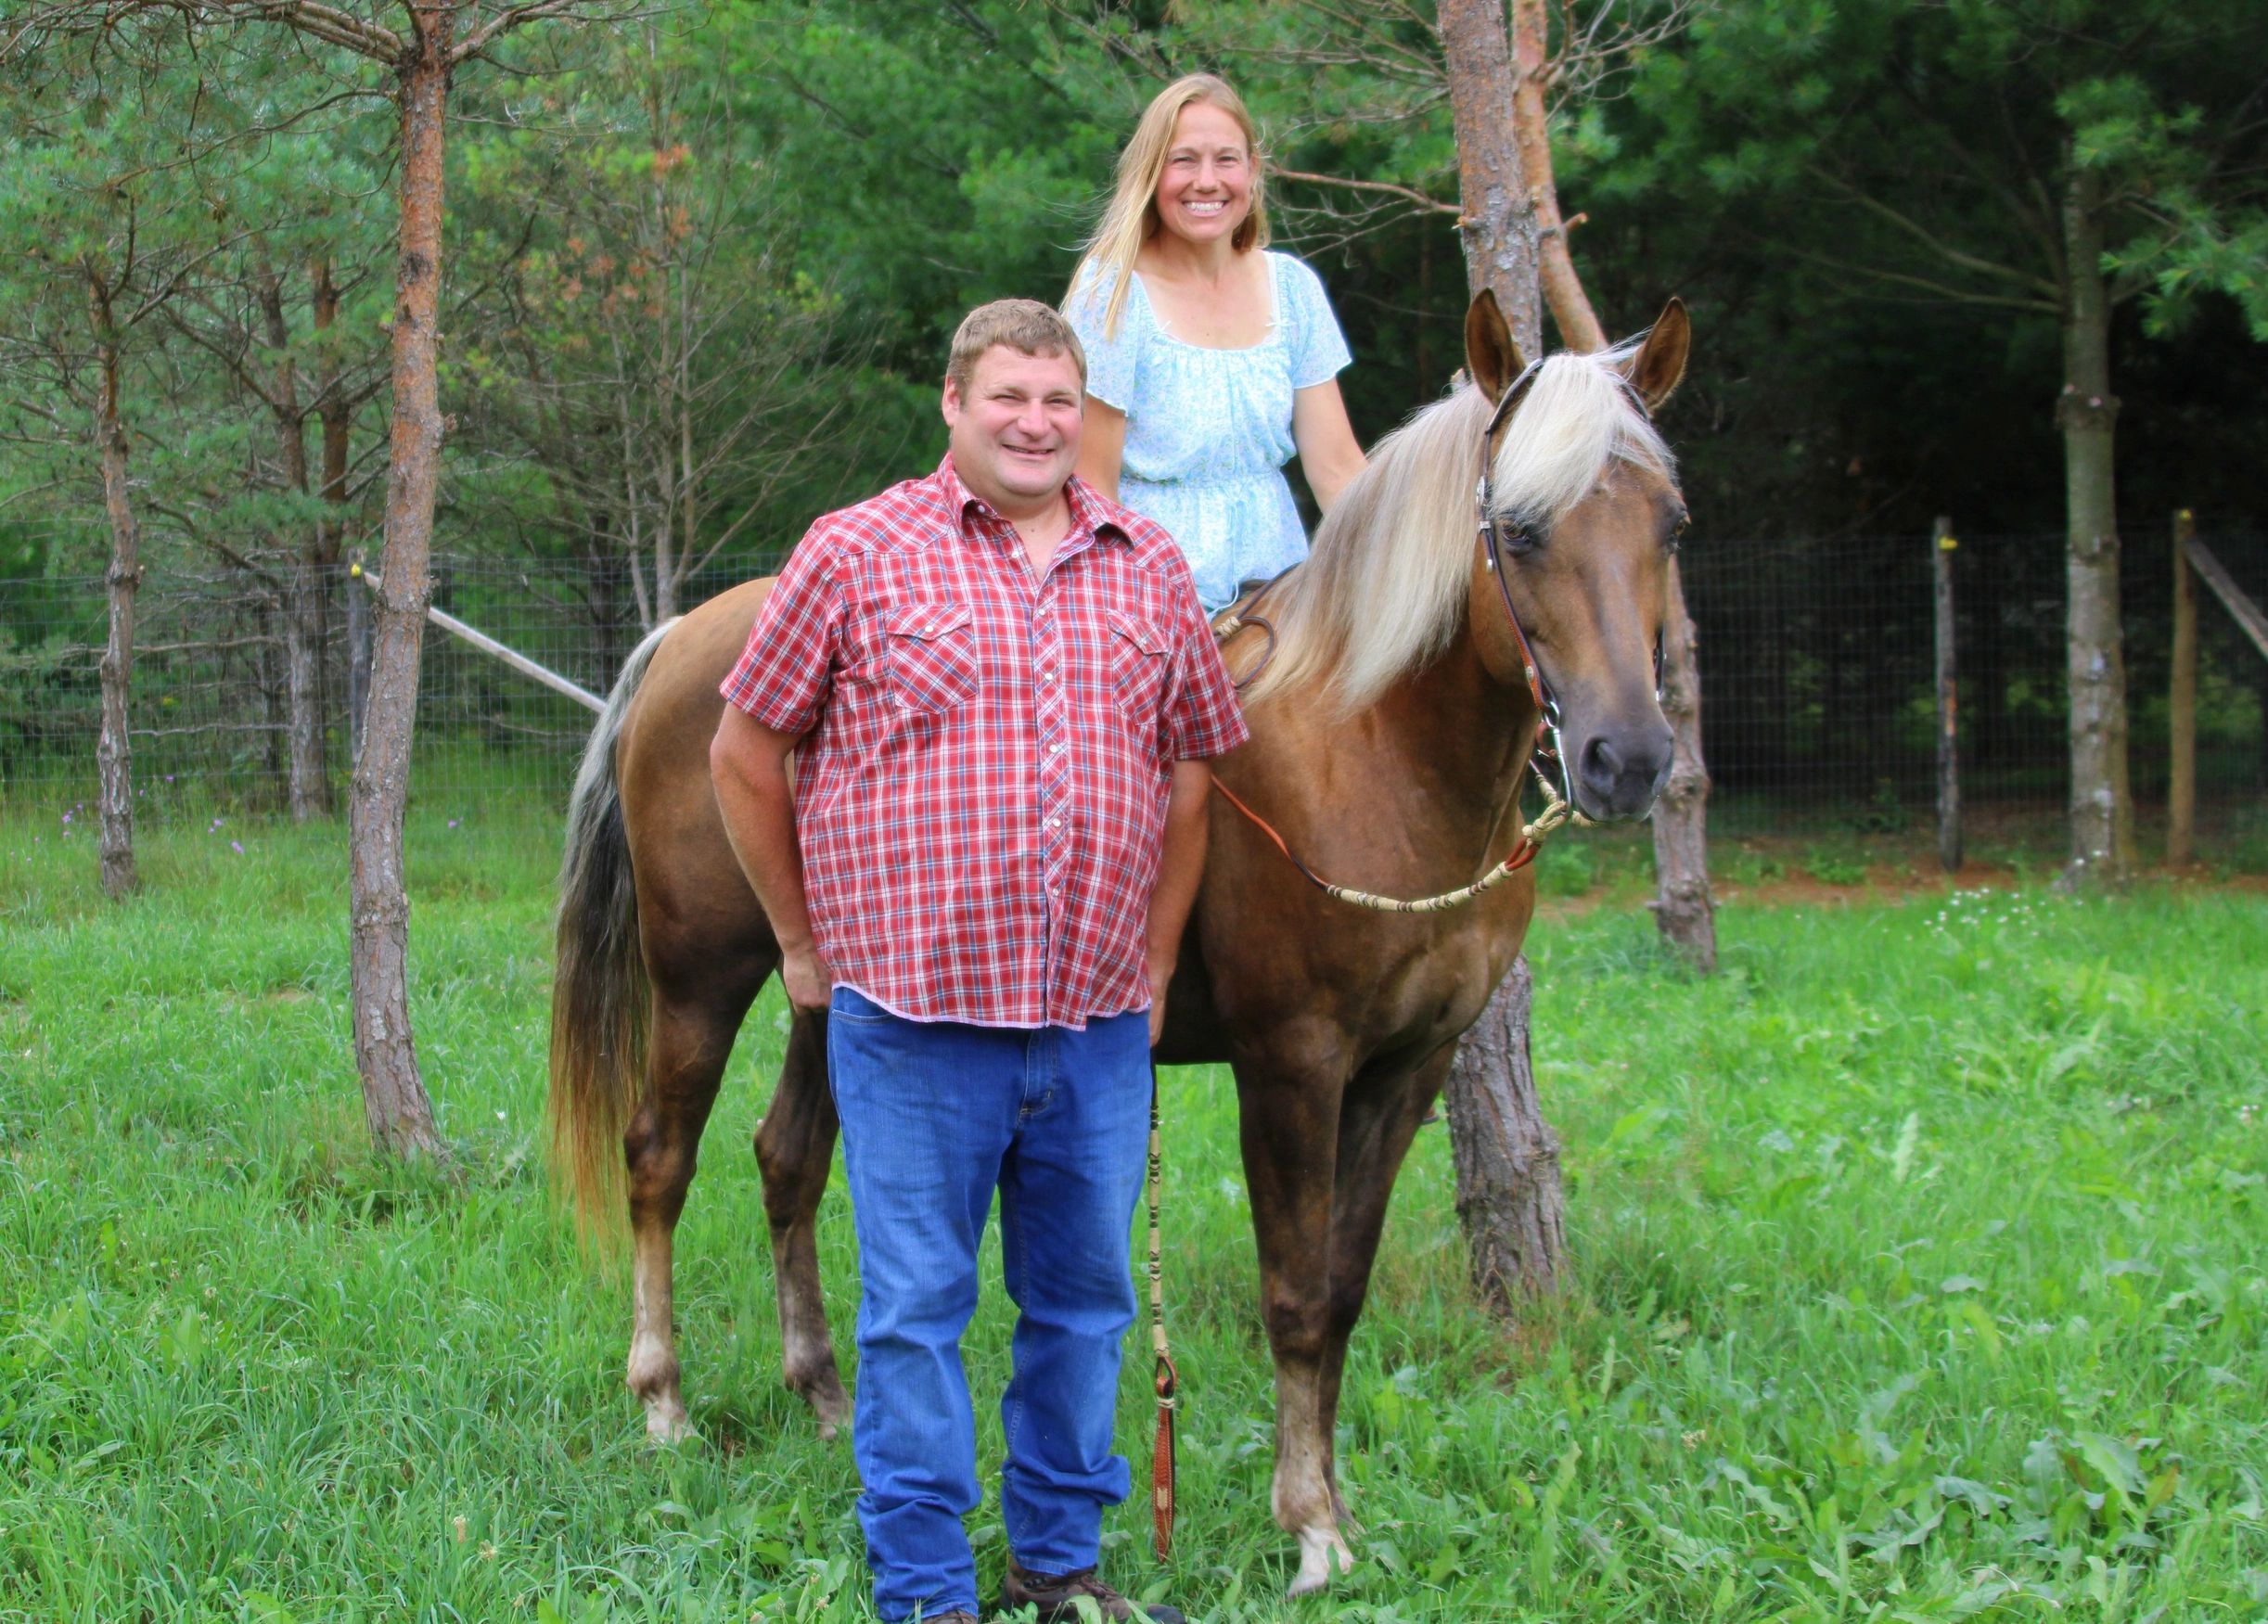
x: 1132, y: 218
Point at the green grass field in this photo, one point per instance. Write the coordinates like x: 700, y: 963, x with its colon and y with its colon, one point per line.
x: 1918, y: 1275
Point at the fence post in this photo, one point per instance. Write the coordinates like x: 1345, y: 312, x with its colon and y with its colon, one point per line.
x: 2182, y: 703
x: 1941, y: 543
x: 358, y: 662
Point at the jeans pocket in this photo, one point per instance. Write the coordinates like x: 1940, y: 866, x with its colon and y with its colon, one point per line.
x: 932, y: 657
x: 849, y: 1003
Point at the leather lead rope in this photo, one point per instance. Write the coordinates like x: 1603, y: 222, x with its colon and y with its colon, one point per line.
x: 1163, y: 1465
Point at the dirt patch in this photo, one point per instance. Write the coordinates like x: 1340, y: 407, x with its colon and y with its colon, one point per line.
x: 1885, y: 882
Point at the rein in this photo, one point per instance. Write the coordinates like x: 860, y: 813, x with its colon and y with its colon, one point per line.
x: 1163, y: 1460
x: 1558, y: 807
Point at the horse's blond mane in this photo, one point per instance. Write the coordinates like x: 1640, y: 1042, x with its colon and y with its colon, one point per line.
x: 1384, y: 589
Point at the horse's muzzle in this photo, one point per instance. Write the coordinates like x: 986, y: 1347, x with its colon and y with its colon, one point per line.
x: 1618, y: 774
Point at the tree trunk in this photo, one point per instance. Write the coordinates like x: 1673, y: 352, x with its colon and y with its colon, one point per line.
x: 113, y: 750
x: 1499, y: 222
x: 336, y: 414
x: 1684, y: 911
x: 2182, y: 704
x: 1509, y: 1200
x: 1684, y: 908
x: 2102, y: 799
x: 394, y: 1100
x: 1571, y: 307
x: 309, y: 790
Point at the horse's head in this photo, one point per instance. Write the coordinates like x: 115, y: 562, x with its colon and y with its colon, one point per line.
x: 1583, y: 499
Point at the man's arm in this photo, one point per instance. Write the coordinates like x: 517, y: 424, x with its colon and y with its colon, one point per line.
x: 1181, y: 863
x: 748, y: 762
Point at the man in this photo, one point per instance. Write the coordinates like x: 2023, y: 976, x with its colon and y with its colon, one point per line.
x: 1002, y: 690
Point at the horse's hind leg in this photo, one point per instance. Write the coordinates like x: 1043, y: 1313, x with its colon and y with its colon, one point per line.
x: 691, y: 1040
x: 795, y: 1143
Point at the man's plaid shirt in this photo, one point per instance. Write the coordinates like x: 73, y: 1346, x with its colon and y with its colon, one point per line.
x: 981, y: 802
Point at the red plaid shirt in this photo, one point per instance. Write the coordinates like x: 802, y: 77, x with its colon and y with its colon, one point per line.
x: 982, y: 800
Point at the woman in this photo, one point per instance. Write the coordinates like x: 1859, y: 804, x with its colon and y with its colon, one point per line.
x: 1209, y: 361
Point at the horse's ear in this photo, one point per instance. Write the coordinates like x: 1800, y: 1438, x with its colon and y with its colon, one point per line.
x: 1655, y: 370
x: 1491, y: 355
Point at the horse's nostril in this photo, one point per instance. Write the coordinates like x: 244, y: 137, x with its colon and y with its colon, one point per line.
x: 1602, y: 763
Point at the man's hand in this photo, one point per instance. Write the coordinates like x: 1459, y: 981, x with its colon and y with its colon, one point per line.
x: 1161, y: 978
x: 1180, y: 861
x: 809, y: 979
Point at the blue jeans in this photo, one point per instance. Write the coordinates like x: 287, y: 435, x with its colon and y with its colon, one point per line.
x: 936, y: 1116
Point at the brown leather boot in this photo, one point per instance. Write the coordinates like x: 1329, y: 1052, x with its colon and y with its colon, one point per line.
x: 1055, y: 1596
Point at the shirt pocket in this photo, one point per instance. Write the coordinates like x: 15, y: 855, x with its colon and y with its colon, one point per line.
x: 1139, y: 661
x: 930, y: 652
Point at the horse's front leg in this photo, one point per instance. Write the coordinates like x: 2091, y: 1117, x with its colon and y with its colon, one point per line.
x: 1378, y: 1118
x: 795, y: 1143
x: 1290, y: 1126
x: 692, y: 1038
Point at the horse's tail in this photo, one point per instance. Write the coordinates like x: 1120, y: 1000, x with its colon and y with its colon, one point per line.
x: 598, y: 991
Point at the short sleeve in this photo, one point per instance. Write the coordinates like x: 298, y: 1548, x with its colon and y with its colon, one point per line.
x: 1318, y: 349
x: 1111, y: 362
x: 786, y: 670
x: 1204, y: 719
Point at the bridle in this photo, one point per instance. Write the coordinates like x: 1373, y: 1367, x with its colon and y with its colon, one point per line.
x: 1493, y: 533
x: 1491, y: 552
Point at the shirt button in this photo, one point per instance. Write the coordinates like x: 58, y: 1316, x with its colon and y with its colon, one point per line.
x: 1054, y: 750
x: 1055, y: 823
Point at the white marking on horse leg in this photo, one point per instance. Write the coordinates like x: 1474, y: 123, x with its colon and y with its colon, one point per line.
x: 1318, y: 1548
x: 1303, y: 1502
x: 653, y: 1372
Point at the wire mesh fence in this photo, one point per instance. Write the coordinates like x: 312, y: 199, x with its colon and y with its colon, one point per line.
x: 1817, y: 661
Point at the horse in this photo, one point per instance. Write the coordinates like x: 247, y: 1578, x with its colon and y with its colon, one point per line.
x: 1397, y: 684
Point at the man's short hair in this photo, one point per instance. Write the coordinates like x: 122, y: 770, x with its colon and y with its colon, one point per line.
x: 1023, y: 325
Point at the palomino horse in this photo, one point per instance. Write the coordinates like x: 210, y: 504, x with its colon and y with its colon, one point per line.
x: 1392, y: 726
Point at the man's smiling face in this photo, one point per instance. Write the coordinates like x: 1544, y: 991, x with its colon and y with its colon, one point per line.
x: 1016, y: 429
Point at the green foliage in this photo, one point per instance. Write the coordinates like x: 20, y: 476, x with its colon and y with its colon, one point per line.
x: 1913, y: 1278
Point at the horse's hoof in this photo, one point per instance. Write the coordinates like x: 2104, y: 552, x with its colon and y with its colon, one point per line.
x: 1319, y: 1548
x: 668, y: 1425
x: 830, y: 1406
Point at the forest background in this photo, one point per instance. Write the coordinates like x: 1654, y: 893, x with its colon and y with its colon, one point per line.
x: 704, y: 260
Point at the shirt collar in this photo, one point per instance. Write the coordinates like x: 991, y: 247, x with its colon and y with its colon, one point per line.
x: 1090, y: 514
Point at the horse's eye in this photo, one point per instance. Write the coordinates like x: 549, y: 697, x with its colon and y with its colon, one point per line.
x: 1677, y: 533
x: 1518, y: 540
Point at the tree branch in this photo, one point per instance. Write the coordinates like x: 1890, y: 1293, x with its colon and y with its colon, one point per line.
x: 1929, y: 238
x: 1411, y: 194
x: 1952, y: 295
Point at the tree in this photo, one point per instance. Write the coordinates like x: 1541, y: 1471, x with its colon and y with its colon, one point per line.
x: 2053, y: 162
x: 420, y: 56
x: 651, y: 351
x: 97, y: 233
x: 1684, y: 911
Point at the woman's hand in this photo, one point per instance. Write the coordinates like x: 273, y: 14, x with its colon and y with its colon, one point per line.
x: 1102, y: 447
x: 1329, y: 456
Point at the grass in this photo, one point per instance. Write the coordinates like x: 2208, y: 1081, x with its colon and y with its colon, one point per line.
x: 1916, y: 1276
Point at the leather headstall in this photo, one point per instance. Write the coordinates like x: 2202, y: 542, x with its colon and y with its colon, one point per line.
x: 1494, y: 534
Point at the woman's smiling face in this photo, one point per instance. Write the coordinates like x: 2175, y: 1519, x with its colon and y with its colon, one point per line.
x: 1206, y: 189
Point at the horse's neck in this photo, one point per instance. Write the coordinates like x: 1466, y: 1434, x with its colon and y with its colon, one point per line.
x: 1470, y: 733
